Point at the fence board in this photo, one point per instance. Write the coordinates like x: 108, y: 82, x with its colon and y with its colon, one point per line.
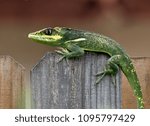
x: 11, y: 83
x: 142, y: 65
x: 70, y: 84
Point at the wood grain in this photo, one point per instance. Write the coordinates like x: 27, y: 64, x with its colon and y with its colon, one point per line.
x: 11, y: 83
x: 71, y: 85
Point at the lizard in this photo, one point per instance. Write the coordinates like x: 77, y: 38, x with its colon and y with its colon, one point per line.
x: 74, y: 43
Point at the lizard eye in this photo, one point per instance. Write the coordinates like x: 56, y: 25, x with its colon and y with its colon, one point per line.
x: 48, y: 31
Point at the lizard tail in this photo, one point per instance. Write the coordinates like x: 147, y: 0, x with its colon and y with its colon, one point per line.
x: 129, y: 71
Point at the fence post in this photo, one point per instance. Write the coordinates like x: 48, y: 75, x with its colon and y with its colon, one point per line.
x: 11, y: 83
x: 71, y: 85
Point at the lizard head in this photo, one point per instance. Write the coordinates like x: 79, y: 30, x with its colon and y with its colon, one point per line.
x: 55, y: 36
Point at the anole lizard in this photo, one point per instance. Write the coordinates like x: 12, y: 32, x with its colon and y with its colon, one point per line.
x: 74, y: 42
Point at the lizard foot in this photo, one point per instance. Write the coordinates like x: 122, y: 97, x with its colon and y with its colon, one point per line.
x: 111, y: 69
x: 64, y: 53
x: 100, y: 76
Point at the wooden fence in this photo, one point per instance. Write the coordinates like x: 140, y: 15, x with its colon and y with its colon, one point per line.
x: 69, y: 84
x: 12, y: 83
x: 72, y: 84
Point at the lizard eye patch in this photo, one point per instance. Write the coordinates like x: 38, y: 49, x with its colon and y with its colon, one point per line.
x: 47, y: 31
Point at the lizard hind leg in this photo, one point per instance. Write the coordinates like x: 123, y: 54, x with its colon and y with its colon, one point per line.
x: 111, y: 68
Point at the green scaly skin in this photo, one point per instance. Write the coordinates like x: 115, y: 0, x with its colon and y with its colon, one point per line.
x: 74, y: 42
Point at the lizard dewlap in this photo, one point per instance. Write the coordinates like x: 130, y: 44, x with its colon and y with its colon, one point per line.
x: 74, y: 42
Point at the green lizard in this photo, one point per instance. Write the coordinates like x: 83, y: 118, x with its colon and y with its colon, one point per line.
x: 74, y: 42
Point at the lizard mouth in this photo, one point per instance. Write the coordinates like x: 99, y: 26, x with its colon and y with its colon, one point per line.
x: 34, y: 36
x: 45, y: 39
x: 31, y: 35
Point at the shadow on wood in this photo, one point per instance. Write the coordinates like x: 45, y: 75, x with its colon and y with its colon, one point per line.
x: 11, y: 83
x: 71, y: 85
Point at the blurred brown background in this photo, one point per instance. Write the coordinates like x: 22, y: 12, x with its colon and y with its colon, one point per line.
x: 128, y: 22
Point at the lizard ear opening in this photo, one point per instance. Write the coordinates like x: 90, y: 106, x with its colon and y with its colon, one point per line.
x: 48, y: 31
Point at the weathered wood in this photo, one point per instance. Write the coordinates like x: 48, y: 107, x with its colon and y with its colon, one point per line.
x: 72, y: 84
x: 142, y: 65
x: 11, y: 83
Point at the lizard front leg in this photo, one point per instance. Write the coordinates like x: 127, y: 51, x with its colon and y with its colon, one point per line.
x: 70, y: 51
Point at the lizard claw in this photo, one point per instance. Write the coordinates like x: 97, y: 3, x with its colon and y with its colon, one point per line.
x: 100, y: 76
x: 63, y: 52
x: 59, y: 52
x: 61, y: 59
x: 113, y: 80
